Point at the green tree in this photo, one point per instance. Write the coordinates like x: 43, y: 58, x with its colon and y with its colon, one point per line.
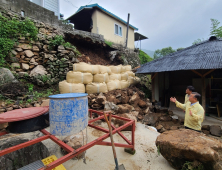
x: 144, y: 58
x: 215, y: 29
x: 198, y: 41
x: 181, y: 48
x: 164, y: 51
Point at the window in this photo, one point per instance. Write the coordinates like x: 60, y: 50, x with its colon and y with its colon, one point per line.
x: 118, y: 30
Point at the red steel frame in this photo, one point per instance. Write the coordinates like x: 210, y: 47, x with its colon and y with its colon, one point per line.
x: 71, y: 152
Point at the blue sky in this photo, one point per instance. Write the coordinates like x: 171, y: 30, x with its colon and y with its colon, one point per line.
x: 175, y: 23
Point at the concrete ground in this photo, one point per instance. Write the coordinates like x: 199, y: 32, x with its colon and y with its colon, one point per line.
x: 101, y: 157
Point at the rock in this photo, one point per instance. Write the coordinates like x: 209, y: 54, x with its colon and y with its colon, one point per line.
x: 25, y: 66
x: 37, y: 105
x: 61, y: 47
x: 134, y: 113
x: 71, y: 55
x: 38, y: 70
x: 15, y: 65
x: 215, y: 130
x: 173, y: 128
x: 125, y: 99
x: 134, y: 100
x: 159, y: 127
x: 48, y: 55
x: 142, y: 103
x: 32, y: 60
x: 45, y: 103
x: 206, y: 127
x: 25, y: 46
x: 146, y: 111
x: 75, y: 141
x: 181, y: 121
x: 42, y: 31
x: 19, y: 49
x: 151, y: 119
x: 125, y: 108
x: 9, y: 109
x: 206, y: 132
x: 3, y: 126
x: 14, y: 52
x: 165, y: 118
x: 2, y: 109
x: 110, y: 106
x: 179, y: 146
x: 35, y: 48
x: 6, y: 76
x: 24, y: 156
x: 162, y: 130
x: 23, y: 74
x: 122, y: 122
x: 101, y: 100
x: 140, y: 117
x: 15, y: 106
x: 45, y: 48
x: 112, y: 99
x: 29, y: 53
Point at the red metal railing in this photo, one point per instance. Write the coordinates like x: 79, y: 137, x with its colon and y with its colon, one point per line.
x: 73, y: 153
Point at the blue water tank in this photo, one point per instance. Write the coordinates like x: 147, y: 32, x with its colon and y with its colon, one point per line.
x: 68, y: 113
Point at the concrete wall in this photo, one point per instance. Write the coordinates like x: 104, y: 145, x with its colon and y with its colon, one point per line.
x: 105, y: 25
x: 31, y: 10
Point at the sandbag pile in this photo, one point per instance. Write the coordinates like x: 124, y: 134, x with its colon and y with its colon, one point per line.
x: 87, y: 78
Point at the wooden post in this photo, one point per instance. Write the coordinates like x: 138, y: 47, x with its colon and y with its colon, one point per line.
x: 127, y: 30
x: 153, y: 89
x: 203, y: 94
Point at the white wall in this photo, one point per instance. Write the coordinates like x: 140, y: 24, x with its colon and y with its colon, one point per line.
x: 52, y: 5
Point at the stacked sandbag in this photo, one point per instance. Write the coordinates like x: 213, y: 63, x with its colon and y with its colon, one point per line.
x: 96, y: 88
x: 126, y: 68
x: 65, y: 87
x: 78, y: 77
x: 85, y: 68
x: 104, y: 69
x: 126, y: 75
x: 116, y: 69
x: 115, y: 77
x: 124, y: 84
x: 101, y: 78
x: 133, y: 80
x: 113, y: 85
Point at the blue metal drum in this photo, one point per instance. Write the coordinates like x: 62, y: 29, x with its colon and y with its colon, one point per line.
x: 68, y: 113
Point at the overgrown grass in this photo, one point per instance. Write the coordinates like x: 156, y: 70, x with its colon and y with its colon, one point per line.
x: 59, y: 40
x: 10, y: 31
x: 144, y: 58
x: 109, y: 43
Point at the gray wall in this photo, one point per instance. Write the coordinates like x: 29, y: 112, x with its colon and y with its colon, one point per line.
x: 31, y: 10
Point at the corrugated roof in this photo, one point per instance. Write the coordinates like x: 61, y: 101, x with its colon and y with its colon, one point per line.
x: 205, y: 55
x: 104, y: 10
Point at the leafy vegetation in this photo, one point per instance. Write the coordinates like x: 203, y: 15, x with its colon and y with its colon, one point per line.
x: 30, y: 87
x: 163, y: 52
x: 109, y: 43
x: 144, y: 58
x: 215, y: 29
x: 192, y: 166
x: 198, y: 41
x: 59, y: 40
x: 10, y: 30
x: 43, y: 94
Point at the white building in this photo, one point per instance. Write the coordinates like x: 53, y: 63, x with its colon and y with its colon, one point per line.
x: 52, y: 5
